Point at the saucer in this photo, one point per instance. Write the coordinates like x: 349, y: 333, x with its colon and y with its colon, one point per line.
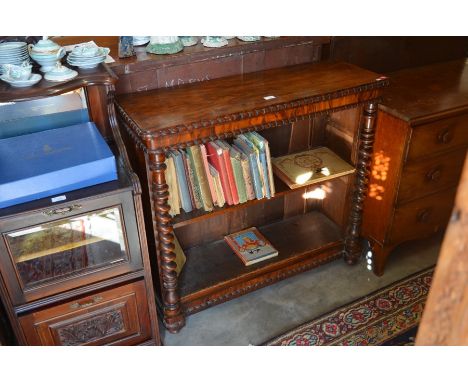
x: 35, y: 78
x: 60, y: 74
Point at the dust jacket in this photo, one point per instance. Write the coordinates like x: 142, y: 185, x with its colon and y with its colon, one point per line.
x: 251, y: 246
x: 51, y: 162
x: 308, y: 167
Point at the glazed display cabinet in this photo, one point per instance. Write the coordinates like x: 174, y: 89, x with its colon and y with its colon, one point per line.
x: 295, y: 108
x: 74, y: 268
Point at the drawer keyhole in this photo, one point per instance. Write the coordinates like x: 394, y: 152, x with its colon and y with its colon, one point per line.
x: 445, y: 136
x: 434, y: 174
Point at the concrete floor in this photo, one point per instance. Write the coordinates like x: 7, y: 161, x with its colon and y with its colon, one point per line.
x: 261, y: 315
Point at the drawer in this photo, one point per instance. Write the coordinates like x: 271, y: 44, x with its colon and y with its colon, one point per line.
x: 422, y: 217
x: 438, y: 136
x: 431, y: 174
x: 113, y: 317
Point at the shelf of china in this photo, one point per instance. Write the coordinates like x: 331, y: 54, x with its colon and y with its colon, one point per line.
x: 303, y: 241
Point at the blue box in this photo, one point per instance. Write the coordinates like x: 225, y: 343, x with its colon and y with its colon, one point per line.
x: 52, y: 162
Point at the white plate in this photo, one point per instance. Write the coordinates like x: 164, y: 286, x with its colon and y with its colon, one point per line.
x: 35, y: 78
x: 12, y: 45
x: 80, y: 58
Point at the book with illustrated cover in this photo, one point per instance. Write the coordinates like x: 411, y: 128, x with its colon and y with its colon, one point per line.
x: 251, y: 246
x: 308, y: 167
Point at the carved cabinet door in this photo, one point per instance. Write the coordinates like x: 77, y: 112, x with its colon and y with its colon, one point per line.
x: 114, y: 317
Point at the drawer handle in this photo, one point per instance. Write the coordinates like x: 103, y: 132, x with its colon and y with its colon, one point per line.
x: 434, y: 175
x: 445, y: 136
x: 62, y: 211
x: 423, y: 216
x: 86, y: 304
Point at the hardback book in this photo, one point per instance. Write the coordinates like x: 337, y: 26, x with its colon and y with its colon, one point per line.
x: 230, y: 172
x: 251, y: 246
x: 308, y: 167
x: 249, y: 189
x: 268, y: 159
x: 259, y: 144
x: 215, y: 157
x: 201, y: 179
x: 254, y: 169
x: 52, y: 162
x: 238, y: 174
x: 220, y: 200
x: 208, y: 174
x: 171, y: 180
x: 194, y: 192
x: 184, y: 193
x: 180, y: 256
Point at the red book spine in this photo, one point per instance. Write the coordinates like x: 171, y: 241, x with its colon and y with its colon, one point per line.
x: 216, y: 159
x: 230, y: 174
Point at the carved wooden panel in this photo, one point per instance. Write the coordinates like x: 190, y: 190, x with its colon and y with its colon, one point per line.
x: 91, y: 329
x: 114, y: 317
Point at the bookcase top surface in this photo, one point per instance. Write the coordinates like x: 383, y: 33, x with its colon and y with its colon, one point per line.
x: 234, y: 96
x: 425, y: 91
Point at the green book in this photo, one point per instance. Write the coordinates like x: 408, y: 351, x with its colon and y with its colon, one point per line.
x: 200, y: 177
x: 235, y: 156
x: 197, y: 202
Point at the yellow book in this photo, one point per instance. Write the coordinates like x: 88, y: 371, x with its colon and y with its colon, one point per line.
x: 308, y: 167
x: 180, y: 256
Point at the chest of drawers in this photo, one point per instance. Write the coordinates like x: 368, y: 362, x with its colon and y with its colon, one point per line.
x: 420, y: 145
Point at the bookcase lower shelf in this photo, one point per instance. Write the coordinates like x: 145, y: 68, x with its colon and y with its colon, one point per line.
x: 214, y: 274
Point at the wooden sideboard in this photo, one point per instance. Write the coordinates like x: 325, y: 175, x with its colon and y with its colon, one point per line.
x: 420, y: 145
x: 336, y: 105
x: 93, y: 287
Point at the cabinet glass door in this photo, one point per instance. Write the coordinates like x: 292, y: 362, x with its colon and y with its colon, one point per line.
x: 66, y: 247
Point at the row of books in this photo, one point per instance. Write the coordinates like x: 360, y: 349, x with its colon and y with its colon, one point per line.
x: 218, y: 173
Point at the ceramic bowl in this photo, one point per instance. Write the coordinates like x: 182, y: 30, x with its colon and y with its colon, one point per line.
x: 47, y: 62
x: 34, y: 79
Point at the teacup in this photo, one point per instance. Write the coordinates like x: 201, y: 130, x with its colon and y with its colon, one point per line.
x: 18, y: 72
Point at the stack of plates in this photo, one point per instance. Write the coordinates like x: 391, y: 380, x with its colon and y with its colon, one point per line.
x: 13, y: 53
x: 83, y: 60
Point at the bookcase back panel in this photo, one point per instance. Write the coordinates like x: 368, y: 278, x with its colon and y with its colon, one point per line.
x: 340, y: 131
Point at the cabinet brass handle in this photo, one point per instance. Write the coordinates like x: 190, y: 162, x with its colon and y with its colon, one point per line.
x: 86, y: 304
x: 434, y: 175
x: 423, y: 216
x: 63, y: 210
x: 445, y: 136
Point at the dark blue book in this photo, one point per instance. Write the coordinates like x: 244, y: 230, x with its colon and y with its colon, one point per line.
x: 52, y: 162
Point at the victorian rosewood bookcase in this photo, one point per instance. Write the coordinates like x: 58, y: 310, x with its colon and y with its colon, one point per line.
x: 73, y: 287
x: 307, y: 105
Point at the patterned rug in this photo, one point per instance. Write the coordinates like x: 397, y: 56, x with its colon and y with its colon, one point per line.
x: 389, y: 316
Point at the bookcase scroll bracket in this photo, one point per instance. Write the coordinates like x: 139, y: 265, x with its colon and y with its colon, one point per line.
x: 352, y: 245
x: 173, y: 318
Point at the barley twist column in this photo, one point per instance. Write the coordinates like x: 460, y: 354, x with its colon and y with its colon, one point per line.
x: 352, y: 245
x: 173, y: 318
